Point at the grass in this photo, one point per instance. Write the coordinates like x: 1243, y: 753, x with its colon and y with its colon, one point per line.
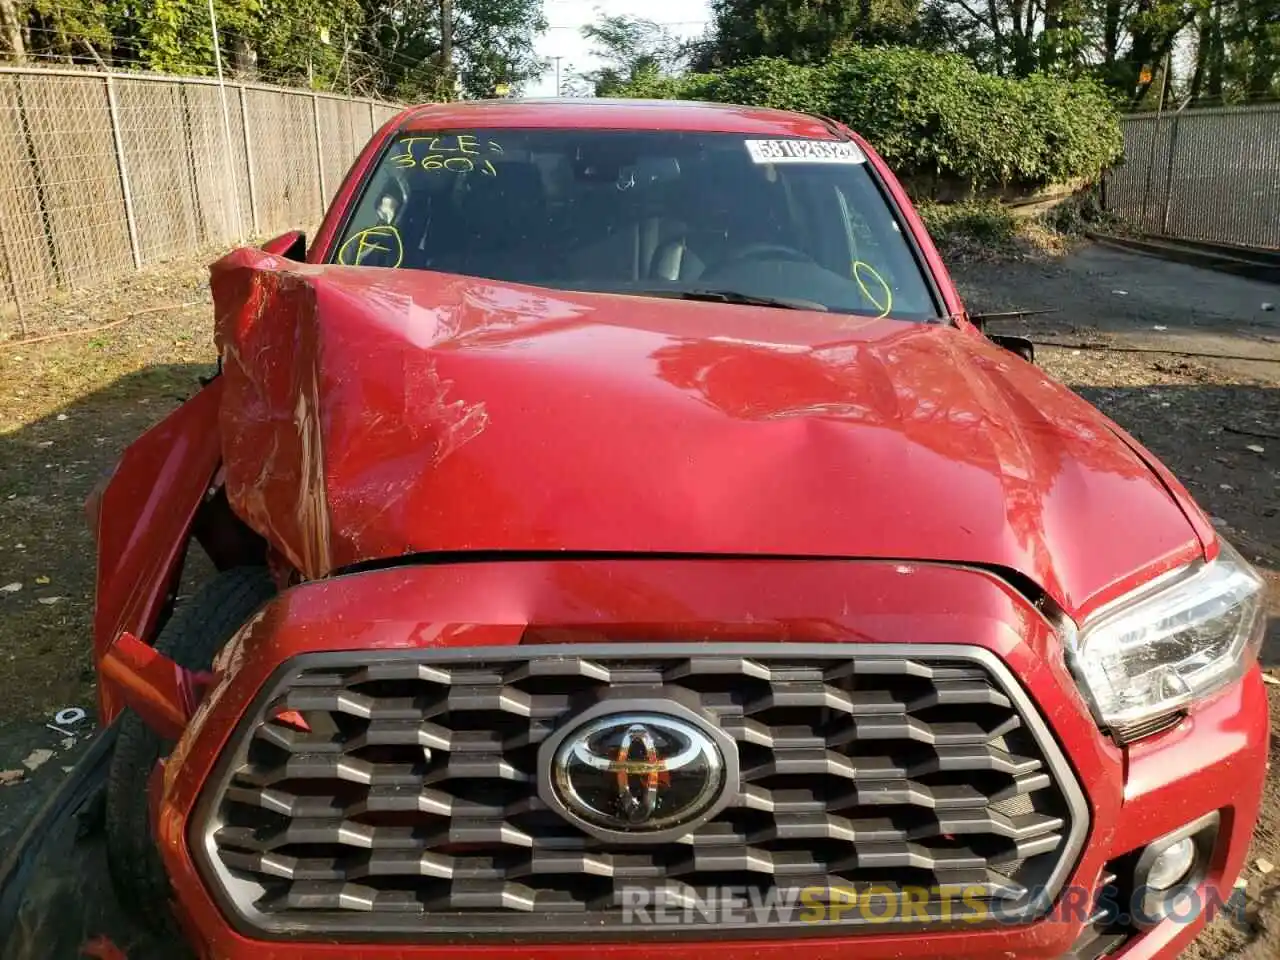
x: 67, y: 409
x: 980, y: 230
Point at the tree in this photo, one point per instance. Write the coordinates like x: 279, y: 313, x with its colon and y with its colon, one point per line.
x: 1124, y: 42
x: 11, y: 39
x: 802, y: 31
x: 292, y: 41
x: 492, y: 42
x: 1250, y: 54
x: 631, y: 48
x: 389, y: 48
x: 399, y: 50
x: 289, y: 39
x: 1146, y: 38
x: 576, y: 84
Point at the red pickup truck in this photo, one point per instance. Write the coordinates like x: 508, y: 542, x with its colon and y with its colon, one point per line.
x: 628, y: 545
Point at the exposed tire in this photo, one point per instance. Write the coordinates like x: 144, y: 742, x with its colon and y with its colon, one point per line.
x: 192, y: 637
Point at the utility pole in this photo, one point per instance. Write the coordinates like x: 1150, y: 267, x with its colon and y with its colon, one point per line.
x: 1156, y: 130
x: 557, y: 60
x: 446, y: 41
x: 346, y: 56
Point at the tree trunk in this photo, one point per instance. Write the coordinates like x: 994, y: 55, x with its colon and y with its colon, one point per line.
x: 446, y: 43
x: 1266, y: 57
x: 993, y: 13
x: 1050, y: 43
x: 1204, y: 31
x: 1207, y: 78
x: 1023, y: 40
x: 1111, y: 33
x: 11, y: 31
x: 244, y: 59
x: 1016, y: 38
x: 1215, y: 58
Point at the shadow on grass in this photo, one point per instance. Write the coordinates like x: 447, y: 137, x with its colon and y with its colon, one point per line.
x: 47, y: 469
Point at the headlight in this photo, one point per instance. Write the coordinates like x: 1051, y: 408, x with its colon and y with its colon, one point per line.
x: 1146, y: 656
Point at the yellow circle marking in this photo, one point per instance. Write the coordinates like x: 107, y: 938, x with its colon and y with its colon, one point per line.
x: 864, y: 273
x: 383, y: 238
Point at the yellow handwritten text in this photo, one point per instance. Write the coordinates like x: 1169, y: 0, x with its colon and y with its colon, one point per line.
x: 456, y: 153
x: 382, y: 239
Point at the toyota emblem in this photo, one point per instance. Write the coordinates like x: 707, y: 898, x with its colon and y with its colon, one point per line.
x: 639, y: 775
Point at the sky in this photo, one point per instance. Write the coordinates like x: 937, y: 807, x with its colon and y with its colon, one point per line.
x: 685, y: 18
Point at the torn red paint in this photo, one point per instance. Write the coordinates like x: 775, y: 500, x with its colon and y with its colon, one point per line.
x: 162, y: 692
x: 101, y: 948
x: 292, y: 719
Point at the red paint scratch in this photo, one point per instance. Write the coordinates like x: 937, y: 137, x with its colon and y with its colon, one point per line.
x: 101, y: 948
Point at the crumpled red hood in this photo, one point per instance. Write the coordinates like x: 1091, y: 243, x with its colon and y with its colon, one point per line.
x: 372, y: 413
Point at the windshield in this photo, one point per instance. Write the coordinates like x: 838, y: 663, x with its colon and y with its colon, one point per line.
x: 797, y: 223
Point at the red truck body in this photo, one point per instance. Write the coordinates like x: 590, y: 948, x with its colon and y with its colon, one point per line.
x: 443, y: 464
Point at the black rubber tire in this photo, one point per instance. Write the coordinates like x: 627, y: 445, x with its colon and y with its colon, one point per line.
x: 192, y: 637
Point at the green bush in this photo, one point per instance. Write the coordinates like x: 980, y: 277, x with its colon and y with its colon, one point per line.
x: 986, y: 223
x: 931, y: 116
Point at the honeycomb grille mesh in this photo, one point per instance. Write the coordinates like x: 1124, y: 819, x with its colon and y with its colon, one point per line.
x: 398, y: 794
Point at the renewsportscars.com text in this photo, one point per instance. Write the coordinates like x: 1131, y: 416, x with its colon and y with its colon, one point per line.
x: 675, y: 906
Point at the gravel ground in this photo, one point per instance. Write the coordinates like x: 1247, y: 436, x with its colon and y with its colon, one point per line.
x: 1187, y: 360
x: 1210, y: 409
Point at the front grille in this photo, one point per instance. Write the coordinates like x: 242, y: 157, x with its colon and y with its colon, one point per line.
x: 396, y: 795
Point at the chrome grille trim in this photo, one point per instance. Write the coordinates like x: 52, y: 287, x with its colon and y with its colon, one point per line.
x: 965, y: 754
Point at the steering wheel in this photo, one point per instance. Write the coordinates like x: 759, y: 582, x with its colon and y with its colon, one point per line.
x: 766, y: 251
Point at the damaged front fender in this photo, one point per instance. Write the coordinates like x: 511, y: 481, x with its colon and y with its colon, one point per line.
x: 163, y: 693
x: 143, y: 519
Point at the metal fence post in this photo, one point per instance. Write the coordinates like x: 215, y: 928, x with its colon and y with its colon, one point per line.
x: 315, y: 123
x: 32, y: 155
x: 1168, y: 176
x: 1156, y: 131
x: 12, y: 281
x: 248, y: 161
x: 129, y: 218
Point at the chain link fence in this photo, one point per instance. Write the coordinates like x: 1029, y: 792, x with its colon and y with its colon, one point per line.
x: 1201, y: 174
x: 104, y: 173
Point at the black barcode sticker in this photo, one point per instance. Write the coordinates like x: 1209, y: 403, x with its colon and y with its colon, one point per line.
x: 805, y: 151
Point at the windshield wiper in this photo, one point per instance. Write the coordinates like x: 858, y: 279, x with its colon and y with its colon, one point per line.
x: 731, y: 296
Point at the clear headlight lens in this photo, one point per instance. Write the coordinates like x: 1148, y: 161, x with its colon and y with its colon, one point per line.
x: 1170, y: 643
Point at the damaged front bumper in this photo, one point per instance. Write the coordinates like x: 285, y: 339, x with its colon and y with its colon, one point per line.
x: 586, y: 612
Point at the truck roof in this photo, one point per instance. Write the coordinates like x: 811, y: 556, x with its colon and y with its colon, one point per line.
x: 606, y: 114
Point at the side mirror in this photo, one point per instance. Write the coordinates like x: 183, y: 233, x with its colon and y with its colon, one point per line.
x: 291, y: 246
x: 1019, y: 345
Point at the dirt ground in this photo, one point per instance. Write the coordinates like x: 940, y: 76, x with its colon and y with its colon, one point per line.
x: 1187, y: 360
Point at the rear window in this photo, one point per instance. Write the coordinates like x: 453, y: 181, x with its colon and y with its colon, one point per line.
x: 641, y: 212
